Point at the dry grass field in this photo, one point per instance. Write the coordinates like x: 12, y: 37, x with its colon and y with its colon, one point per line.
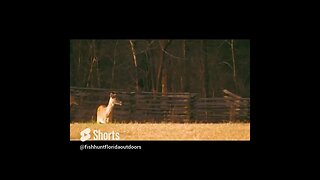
x: 168, y: 131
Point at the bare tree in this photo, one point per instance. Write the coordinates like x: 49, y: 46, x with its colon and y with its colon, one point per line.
x: 183, y: 45
x: 200, y: 66
x: 79, y: 63
x: 114, y: 64
x: 162, y: 68
x: 233, y: 62
x: 204, y: 75
x: 134, y: 57
x: 186, y: 68
x: 93, y: 60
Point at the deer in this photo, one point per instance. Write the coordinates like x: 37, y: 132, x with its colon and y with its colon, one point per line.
x: 104, y: 113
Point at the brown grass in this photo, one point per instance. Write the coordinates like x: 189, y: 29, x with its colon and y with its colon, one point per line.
x: 168, y: 131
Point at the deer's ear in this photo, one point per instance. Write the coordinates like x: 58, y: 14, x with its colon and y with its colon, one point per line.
x: 113, y: 95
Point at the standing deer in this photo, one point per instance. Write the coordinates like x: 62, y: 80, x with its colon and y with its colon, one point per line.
x: 104, y: 113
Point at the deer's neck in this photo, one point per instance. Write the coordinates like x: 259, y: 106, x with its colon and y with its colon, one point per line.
x: 111, y: 104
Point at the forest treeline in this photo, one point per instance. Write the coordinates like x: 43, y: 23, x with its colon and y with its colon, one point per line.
x: 198, y: 66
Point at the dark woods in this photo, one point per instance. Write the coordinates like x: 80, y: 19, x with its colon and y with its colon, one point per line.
x: 197, y: 66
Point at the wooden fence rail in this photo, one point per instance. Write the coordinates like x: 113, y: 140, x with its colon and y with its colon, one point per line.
x: 149, y: 106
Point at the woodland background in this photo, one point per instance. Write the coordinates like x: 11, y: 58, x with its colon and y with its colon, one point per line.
x: 197, y: 66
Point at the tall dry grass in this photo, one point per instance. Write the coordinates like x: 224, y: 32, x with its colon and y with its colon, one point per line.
x: 168, y: 131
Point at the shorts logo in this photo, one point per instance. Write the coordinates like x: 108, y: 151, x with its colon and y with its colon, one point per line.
x: 85, y: 134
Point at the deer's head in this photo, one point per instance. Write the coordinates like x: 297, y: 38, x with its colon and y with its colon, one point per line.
x: 113, y: 99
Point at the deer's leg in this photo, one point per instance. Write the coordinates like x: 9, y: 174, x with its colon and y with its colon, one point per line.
x: 100, y: 120
x: 100, y: 115
x: 107, y: 119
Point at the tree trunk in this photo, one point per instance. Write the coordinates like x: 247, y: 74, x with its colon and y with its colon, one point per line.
x: 205, y: 74
x: 151, y: 70
x: 164, y: 79
x: 203, y: 69
x: 114, y: 65
x: 97, y: 62
x: 162, y: 69
x: 78, y: 79
x: 186, y: 69
x: 159, y: 71
x: 93, y: 60
x: 135, y: 65
x: 182, y: 65
x: 234, y: 64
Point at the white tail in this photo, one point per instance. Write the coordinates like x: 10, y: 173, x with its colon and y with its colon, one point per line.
x: 104, y: 113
